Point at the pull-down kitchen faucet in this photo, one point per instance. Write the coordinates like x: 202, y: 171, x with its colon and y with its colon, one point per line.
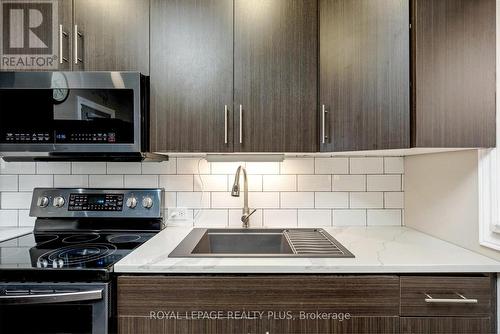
x: 235, y: 192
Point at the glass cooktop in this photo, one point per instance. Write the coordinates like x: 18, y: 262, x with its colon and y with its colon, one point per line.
x: 69, y: 250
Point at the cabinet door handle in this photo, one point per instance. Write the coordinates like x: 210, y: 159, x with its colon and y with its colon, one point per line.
x: 76, y: 34
x: 62, y: 34
x: 324, y: 137
x: 241, y: 124
x: 225, y: 124
x: 461, y: 300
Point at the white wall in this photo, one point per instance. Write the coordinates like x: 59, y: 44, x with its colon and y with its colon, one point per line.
x: 441, y: 198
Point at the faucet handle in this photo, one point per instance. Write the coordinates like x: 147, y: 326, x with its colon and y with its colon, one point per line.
x: 246, y: 217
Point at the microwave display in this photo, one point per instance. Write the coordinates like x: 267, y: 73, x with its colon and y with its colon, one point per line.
x: 66, y: 116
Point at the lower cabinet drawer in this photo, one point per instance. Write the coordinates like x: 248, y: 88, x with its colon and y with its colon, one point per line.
x: 446, y: 296
x: 442, y: 325
x: 258, y: 304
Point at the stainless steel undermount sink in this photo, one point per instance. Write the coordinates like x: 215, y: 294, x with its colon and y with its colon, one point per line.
x: 201, y: 242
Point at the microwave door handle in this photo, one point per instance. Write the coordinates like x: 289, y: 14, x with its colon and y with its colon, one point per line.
x: 62, y: 297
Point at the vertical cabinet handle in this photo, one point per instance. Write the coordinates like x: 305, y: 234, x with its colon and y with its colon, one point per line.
x: 225, y: 124
x: 62, y: 34
x: 324, y: 137
x: 241, y: 124
x: 76, y: 35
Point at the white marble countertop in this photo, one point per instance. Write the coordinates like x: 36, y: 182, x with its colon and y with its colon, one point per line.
x: 376, y: 250
x: 7, y: 233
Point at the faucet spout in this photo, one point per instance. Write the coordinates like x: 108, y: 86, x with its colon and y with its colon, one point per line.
x: 235, y: 192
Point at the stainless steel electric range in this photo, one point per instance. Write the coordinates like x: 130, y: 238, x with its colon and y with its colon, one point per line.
x: 59, y: 278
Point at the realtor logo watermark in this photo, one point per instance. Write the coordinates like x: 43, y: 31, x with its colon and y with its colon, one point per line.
x: 28, y: 34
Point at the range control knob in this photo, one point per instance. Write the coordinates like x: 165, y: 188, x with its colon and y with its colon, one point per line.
x: 131, y: 202
x: 42, y: 201
x: 57, y: 263
x: 147, y: 202
x: 42, y: 263
x: 58, y: 202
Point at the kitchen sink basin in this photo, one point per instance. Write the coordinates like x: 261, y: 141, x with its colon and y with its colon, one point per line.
x: 201, y: 242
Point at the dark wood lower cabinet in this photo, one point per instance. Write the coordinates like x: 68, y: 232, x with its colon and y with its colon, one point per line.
x: 449, y: 325
x: 319, y: 304
x: 368, y: 325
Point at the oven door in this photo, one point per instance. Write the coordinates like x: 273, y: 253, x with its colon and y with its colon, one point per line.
x: 71, y: 112
x: 54, y: 308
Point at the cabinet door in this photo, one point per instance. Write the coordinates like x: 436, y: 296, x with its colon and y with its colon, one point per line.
x: 45, y: 47
x: 364, y: 75
x: 274, y: 304
x: 453, y: 325
x: 454, y: 73
x: 113, y: 35
x: 275, y: 54
x: 191, y: 75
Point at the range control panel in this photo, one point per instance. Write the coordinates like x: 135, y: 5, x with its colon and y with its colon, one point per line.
x: 95, y: 202
x: 103, y: 203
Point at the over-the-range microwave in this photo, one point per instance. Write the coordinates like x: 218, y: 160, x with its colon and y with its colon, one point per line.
x: 74, y: 116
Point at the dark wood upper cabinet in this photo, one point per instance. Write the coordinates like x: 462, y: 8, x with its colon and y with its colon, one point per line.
x: 191, y: 75
x: 454, y: 73
x: 364, y: 75
x: 275, y: 73
x: 113, y: 35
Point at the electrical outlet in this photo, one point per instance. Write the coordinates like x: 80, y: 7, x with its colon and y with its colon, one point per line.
x: 178, y: 214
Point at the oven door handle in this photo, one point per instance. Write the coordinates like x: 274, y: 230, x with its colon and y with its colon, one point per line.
x: 58, y: 297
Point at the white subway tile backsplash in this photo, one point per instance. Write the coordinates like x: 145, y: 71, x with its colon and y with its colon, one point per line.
x: 349, y: 217
x: 76, y: 181
x: 300, y: 191
x: 170, y: 199
x: 264, y: 200
x: 141, y: 181
x: 9, y: 183
x: 106, y: 181
x: 280, y: 218
x: 17, y: 167
x: 394, y: 200
x: 331, y: 166
x: 263, y: 167
x: 28, y: 182
x: 367, y: 165
x: 393, y: 165
x: 193, y: 166
x: 384, y: 217
x: 211, y: 218
x: 383, y: 182
x: 210, y: 183
x: 88, y: 168
x: 8, y: 218
x: 164, y: 167
x: 235, y: 218
x: 176, y: 182
x: 314, y: 182
x: 53, y: 167
x: 301, y: 200
x: 194, y: 200
x: 225, y: 167
x: 366, y: 200
x: 254, y: 182
x: 349, y: 182
x: 224, y: 200
x: 297, y: 166
x: 25, y: 220
x: 331, y: 200
x: 15, y: 200
x: 314, y: 218
x: 124, y: 168
x: 279, y: 182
